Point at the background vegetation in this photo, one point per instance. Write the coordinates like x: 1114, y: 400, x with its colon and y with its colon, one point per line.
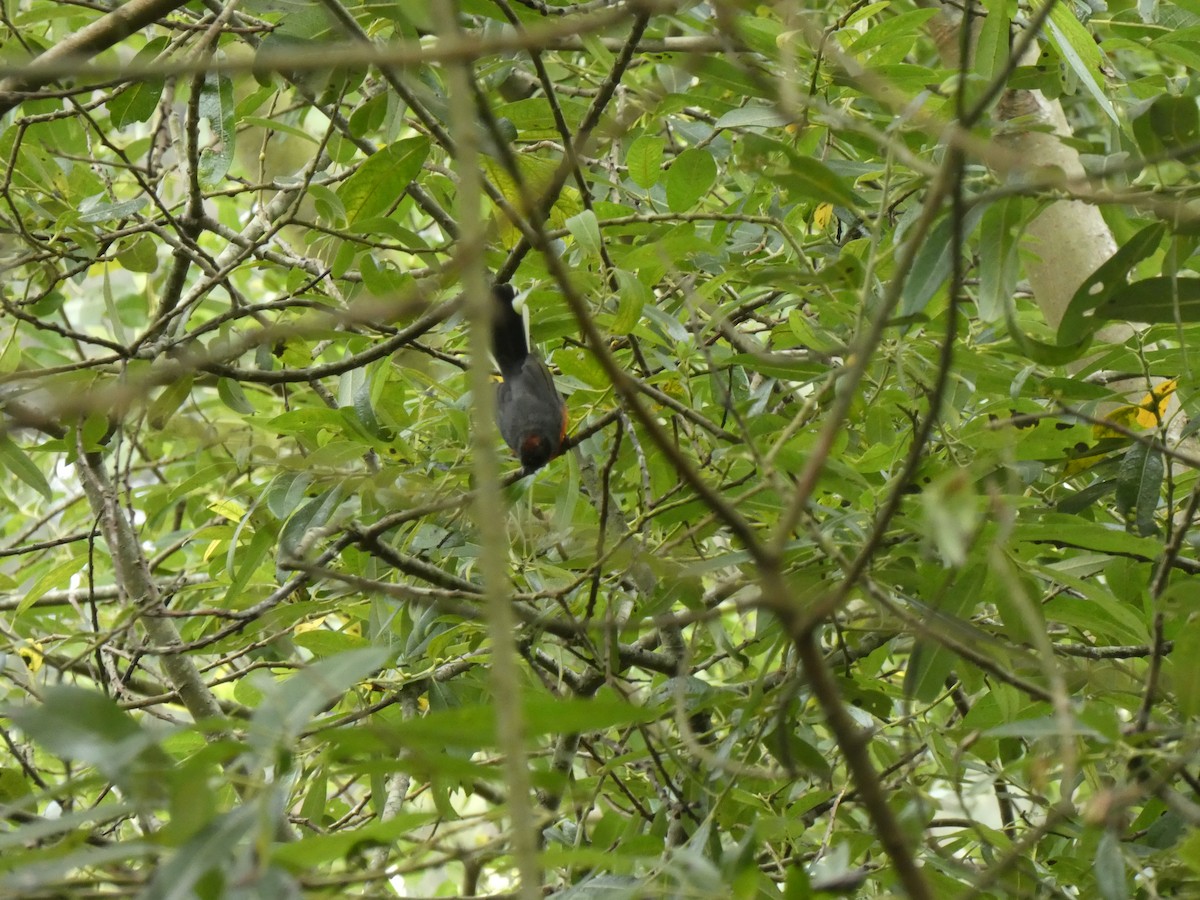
x: 869, y: 569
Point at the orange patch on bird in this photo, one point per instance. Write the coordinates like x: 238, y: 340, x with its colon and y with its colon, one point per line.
x: 531, y: 443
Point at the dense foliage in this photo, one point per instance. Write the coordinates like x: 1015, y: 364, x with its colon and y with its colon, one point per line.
x: 863, y: 572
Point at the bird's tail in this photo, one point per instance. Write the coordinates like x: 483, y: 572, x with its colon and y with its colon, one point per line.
x: 509, y: 344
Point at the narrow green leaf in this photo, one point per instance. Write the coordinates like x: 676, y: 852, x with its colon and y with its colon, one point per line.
x: 139, y: 100
x: 1078, y: 322
x: 277, y: 125
x: 1109, y: 867
x: 931, y: 268
x: 1044, y: 727
x: 1139, y: 487
x: 999, y: 260
x: 211, y: 849
x: 248, y: 556
x: 169, y: 400
x: 930, y: 663
x: 1072, y: 532
x: 810, y: 179
x: 364, y: 409
x: 1076, y: 47
x: 904, y: 28
x: 1153, y: 301
x: 754, y: 116
x: 14, y: 459
x: 217, y: 105
x: 289, y: 706
x: 107, y: 212
x: 313, y: 514
x: 632, y: 296
x: 316, y: 850
x: 991, y: 50
x: 84, y: 726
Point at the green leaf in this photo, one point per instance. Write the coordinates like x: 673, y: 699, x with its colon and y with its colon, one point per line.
x: 1076, y: 47
x: 1154, y: 301
x: 217, y: 105
x: 632, y: 297
x: 991, y: 50
x: 475, y: 725
x: 15, y: 460
x: 1167, y: 123
x: 1060, y: 529
x: 233, y: 396
x: 280, y: 126
x: 46, y: 876
x: 383, y: 178
x: 809, y: 179
x: 1183, y: 668
x: 1139, y: 487
x: 644, y: 160
x: 316, y: 850
x: 999, y: 261
x: 138, y: 255
x: 210, y: 850
x: 84, y: 726
x: 690, y: 177
x: 107, y: 212
x: 930, y: 663
x: 586, y: 231
x: 1044, y: 727
x: 931, y: 268
x: 139, y: 100
x: 249, y: 557
x: 1109, y: 867
x: 753, y: 116
x: 381, y: 280
x: 168, y: 401
x: 903, y: 29
x: 1078, y: 320
x: 290, y: 705
x: 314, y: 514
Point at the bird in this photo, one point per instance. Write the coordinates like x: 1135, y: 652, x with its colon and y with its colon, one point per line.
x: 530, y: 412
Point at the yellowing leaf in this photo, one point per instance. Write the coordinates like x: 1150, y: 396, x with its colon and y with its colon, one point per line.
x: 228, y: 509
